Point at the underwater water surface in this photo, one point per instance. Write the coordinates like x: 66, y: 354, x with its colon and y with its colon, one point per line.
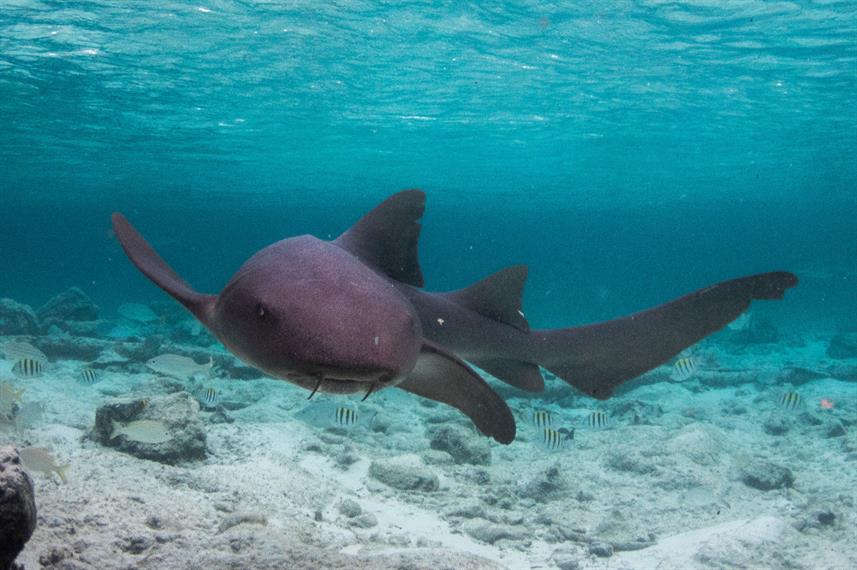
x: 627, y: 152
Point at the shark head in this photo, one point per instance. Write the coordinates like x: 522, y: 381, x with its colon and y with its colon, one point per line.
x: 286, y: 313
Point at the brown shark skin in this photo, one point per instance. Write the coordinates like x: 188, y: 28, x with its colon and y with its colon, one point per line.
x: 349, y: 315
x: 310, y: 310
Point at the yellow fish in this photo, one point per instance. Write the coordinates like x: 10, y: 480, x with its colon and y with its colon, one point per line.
x: 19, y: 350
x: 40, y: 459
x: 598, y: 420
x: 790, y: 401
x: 143, y: 431
x: 345, y: 416
x: 542, y: 418
x: 9, y: 396
x: 27, y: 368
x: 88, y: 376
x: 178, y: 366
x: 683, y: 369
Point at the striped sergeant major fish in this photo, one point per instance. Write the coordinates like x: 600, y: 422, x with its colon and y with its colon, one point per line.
x: 345, y: 416
x: 28, y: 368
x: 541, y: 418
x: 88, y: 376
x: 210, y: 397
x: 598, y: 420
x: 790, y: 401
x: 683, y: 369
x: 554, y: 439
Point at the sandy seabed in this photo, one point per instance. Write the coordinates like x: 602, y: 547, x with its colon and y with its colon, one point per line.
x: 707, y: 473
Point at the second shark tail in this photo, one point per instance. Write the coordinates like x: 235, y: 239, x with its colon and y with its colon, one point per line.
x: 597, y: 358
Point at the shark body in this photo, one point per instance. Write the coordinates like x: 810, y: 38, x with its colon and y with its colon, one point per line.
x: 350, y: 315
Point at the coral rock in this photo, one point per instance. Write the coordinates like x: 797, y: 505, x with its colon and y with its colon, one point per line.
x: 16, y: 318
x: 406, y: 473
x: 178, y: 411
x: 765, y: 476
x: 462, y: 444
x: 17, y: 507
x: 70, y: 305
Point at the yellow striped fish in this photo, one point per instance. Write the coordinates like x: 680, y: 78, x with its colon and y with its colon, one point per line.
x: 88, y: 376
x: 553, y: 439
x: 28, y: 368
x: 541, y: 418
x: 683, y: 369
x: 345, y: 416
x: 598, y: 420
x: 790, y: 401
x: 210, y: 397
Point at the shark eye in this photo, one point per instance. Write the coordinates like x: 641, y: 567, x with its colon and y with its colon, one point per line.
x: 261, y: 310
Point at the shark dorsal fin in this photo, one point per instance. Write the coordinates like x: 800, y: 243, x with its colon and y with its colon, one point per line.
x: 497, y: 297
x: 386, y: 238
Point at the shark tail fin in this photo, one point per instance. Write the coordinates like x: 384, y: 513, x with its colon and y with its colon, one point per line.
x: 155, y: 268
x: 597, y: 358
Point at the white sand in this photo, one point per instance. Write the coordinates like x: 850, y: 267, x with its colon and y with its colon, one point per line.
x: 677, y: 478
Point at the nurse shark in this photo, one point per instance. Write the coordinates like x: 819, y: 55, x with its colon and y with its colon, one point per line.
x: 350, y: 316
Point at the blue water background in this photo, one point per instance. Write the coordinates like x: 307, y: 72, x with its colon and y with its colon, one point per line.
x: 628, y: 152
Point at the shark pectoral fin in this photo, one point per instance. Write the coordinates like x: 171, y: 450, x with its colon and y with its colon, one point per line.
x: 523, y: 375
x: 155, y: 268
x: 441, y: 376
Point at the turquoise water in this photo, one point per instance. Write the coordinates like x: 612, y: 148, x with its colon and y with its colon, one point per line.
x: 669, y: 144
x: 628, y: 152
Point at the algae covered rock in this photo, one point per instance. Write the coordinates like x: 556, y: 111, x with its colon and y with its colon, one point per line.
x: 843, y: 345
x: 462, y: 444
x: 489, y: 532
x: 16, y: 318
x: 407, y: 473
x: 766, y: 476
x: 179, y: 414
x: 17, y: 507
x: 70, y: 305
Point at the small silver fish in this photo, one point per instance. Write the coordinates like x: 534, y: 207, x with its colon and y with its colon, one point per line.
x: 40, y: 459
x: 790, y: 401
x: 88, y: 376
x: 18, y: 350
x: 27, y: 368
x: 9, y: 397
x: 210, y: 397
x: 598, y: 420
x: 345, y: 416
x: 541, y: 418
x: 554, y: 439
x: 180, y: 367
x: 683, y: 369
x: 137, y: 312
x: 143, y: 431
x: 29, y: 414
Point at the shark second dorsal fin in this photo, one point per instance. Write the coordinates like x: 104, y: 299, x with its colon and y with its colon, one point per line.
x: 497, y: 297
x: 386, y: 238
